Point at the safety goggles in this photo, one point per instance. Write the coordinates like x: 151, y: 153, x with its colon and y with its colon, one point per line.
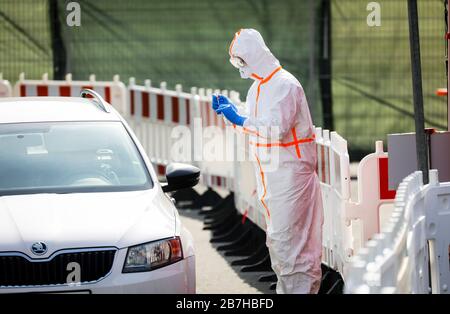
x: 237, y: 62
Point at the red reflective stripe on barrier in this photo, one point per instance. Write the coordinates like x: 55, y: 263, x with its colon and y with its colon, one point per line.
x: 208, y: 114
x: 322, y: 166
x: 216, y: 118
x: 64, y: 91
x: 244, y: 217
x: 42, y: 90
x: 161, y: 169
x: 202, y: 113
x: 108, y: 94
x: 188, y: 111
x: 327, y: 165
x: 145, y: 105
x: 175, y: 110
x: 23, y: 90
x: 132, y: 103
x: 317, y: 162
x: 160, y: 111
x: 383, y: 167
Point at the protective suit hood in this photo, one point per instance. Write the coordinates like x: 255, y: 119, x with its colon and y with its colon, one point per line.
x: 249, y: 45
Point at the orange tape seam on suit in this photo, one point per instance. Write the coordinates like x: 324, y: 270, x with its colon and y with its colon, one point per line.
x: 264, y: 186
x: 232, y: 42
x: 261, y: 82
x: 295, y: 143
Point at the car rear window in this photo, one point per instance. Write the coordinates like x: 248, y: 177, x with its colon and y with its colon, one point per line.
x: 69, y: 157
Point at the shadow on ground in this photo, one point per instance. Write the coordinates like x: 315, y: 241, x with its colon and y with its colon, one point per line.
x: 251, y: 278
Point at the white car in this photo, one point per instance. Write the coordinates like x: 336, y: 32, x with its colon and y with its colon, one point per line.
x: 81, y: 209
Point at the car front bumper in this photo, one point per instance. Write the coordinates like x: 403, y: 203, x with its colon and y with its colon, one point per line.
x: 177, y: 278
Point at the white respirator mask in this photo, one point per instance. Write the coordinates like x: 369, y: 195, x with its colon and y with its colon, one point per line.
x: 240, y: 64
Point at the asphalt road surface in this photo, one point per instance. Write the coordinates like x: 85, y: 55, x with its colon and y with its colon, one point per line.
x: 214, y: 272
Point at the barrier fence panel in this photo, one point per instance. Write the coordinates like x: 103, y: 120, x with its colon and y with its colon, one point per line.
x: 323, y: 170
x: 182, y: 127
x: 217, y: 160
x: 437, y: 212
x: 397, y: 260
x: 153, y: 113
x: 373, y: 193
x: 114, y: 92
x: 246, y: 198
x: 340, y: 196
x: 348, y: 224
x: 5, y: 87
x: 384, y: 265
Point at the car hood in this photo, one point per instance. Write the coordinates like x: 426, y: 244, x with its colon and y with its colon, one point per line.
x: 67, y: 221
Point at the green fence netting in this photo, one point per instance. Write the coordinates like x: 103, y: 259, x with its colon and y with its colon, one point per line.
x: 371, y: 70
x: 25, y: 38
x: 186, y: 41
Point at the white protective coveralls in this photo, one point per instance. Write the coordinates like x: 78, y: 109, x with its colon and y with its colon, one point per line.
x: 291, y: 194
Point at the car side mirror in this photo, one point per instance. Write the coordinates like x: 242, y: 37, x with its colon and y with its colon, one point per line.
x: 180, y: 176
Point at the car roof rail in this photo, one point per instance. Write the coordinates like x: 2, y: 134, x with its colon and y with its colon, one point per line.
x: 101, y: 103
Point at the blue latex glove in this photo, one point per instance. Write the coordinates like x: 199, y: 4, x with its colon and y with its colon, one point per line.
x: 230, y: 112
x: 218, y: 100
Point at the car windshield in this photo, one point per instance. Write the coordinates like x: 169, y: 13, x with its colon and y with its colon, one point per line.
x: 69, y: 157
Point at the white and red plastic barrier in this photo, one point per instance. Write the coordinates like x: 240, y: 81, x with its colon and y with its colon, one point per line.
x: 373, y: 192
x: 153, y: 113
x: 246, y: 198
x: 207, y: 114
x: 411, y: 254
x: 215, y: 171
x: 114, y: 92
x: 333, y: 168
x: 348, y: 224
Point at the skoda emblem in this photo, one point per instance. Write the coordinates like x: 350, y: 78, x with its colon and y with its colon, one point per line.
x: 39, y: 248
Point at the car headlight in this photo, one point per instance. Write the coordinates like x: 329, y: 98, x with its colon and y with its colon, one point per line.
x: 152, y: 255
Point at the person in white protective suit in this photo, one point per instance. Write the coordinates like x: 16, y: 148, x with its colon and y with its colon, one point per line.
x: 290, y: 195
